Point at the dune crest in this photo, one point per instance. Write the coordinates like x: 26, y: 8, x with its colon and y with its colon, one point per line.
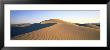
x: 53, y: 21
x: 61, y: 31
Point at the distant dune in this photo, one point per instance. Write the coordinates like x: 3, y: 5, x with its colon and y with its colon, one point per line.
x: 21, y: 25
x: 61, y: 31
x: 90, y: 25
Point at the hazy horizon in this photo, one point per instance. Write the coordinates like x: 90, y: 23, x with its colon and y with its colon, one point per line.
x: 36, y: 16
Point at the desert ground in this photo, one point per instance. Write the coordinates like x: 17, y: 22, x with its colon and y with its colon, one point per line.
x: 62, y: 31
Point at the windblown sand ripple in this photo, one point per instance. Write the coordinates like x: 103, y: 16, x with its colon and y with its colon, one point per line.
x: 62, y: 31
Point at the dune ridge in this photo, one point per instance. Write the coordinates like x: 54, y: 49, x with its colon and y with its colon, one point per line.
x: 61, y: 31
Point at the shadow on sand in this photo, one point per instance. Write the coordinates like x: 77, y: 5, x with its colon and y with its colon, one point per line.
x: 21, y: 30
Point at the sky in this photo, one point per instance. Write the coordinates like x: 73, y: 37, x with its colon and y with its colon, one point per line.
x: 36, y: 16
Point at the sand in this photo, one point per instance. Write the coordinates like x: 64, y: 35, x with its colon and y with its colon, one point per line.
x: 62, y: 31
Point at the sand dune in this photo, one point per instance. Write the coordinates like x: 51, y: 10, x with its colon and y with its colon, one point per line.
x: 93, y: 26
x: 61, y: 31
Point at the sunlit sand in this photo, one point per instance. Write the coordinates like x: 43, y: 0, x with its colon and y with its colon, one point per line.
x: 62, y: 31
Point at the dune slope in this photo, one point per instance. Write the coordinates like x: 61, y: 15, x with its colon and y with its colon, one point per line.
x: 62, y: 31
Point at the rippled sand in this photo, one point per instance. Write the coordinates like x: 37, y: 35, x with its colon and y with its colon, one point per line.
x: 62, y: 31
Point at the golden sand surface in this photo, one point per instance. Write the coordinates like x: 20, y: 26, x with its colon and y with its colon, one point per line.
x: 62, y: 31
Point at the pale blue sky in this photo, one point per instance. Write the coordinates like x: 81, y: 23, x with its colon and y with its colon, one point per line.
x: 36, y: 16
